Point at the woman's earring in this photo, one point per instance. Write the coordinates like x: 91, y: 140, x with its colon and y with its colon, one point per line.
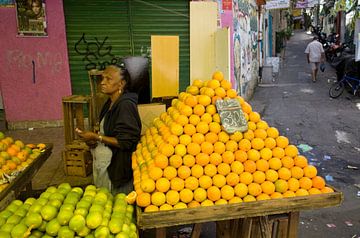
x: 120, y: 91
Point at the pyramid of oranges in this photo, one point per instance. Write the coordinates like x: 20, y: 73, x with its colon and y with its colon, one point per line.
x: 187, y: 159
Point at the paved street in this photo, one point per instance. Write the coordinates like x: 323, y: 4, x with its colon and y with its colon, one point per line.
x: 304, y: 112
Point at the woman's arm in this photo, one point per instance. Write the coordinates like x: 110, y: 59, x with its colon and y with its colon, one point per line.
x: 90, y: 137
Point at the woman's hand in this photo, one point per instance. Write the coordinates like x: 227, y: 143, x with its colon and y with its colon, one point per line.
x: 87, y: 136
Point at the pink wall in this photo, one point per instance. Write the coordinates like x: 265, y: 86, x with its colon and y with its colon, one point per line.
x: 24, y: 100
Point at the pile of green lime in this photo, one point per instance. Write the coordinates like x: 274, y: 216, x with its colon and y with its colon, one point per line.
x: 67, y: 212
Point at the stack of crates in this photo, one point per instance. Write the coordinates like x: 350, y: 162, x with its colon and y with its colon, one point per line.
x: 76, y: 156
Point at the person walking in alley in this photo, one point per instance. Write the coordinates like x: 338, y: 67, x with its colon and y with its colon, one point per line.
x: 315, y: 55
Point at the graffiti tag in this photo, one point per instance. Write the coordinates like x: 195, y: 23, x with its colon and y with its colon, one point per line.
x: 97, y: 55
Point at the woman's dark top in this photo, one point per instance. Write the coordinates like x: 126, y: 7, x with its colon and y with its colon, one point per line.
x: 122, y: 121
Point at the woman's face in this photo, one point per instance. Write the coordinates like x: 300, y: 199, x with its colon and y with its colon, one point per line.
x: 111, y: 82
x: 35, y: 8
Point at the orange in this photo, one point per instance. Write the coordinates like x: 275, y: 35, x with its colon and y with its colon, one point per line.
x: 259, y: 177
x: 260, y: 133
x: 172, y: 197
x: 310, y: 171
x: 278, y: 152
x: 227, y: 192
x: 167, y: 150
x: 158, y: 198
x: 223, y: 136
x: 193, y: 149
x: 249, y: 134
x: 287, y: 162
x: 194, y: 119
x: 147, y: 185
x: 173, y: 140
x: 275, y: 163
x: 254, y: 117
x: 197, y: 171
x: 191, y: 101
x: 305, y: 183
x: 254, y: 189
x: 235, y: 200
x: 155, y: 173
x: 162, y: 185
x: 204, y: 100
x: 246, y: 107
x: 215, y: 159
x: 205, y: 182
x: 236, y: 136
x: 143, y: 199
x: 281, y: 186
x: 182, y: 120
x: 185, y: 139
x: 249, y: 166
x: 297, y: 172
x: 246, y: 178
x: 241, y: 190
x: 271, y: 175
x: 11, y: 164
x: 180, y: 205
x: 270, y: 143
x: 289, y: 194
x: 202, y: 159
x: 12, y: 151
x: 232, y: 179
x: 169, y: 173
x: 198, y: 83
x: 188, y: 160
x: 206, y: 117
x: 249, y: 198
x: 240, y: 155
x: 276, y: 195
x: 176, y: 129
x: 284, y: 173
x: 291, y: 150
x: 210, y: 109
x: 186, y: 195
x: 151, y: 208
x: 252, y: 125
x: 300, y: 161
x: 184, y: 172
x: 266, y: 153
x: 192, y: 90
x: 231, y: 145
x: 207, y: 203
x: 207, y: 147
x: 231, y: 93
x: 198, y: 138
x: 225, y: 84
x: 191, y: 183
x: 237, y: 167
x: 211, y: 137
x: 282, y: 141
x: 180, y: 150
x: 253, y: 155
x: 327, y: 190
x: 219, y: 147
x: 216, y: 97
x: 262, y: 125
x: 189, y: 129
x: 263, y: 196
x: 220, y: 92
x: 210, y: 170
x: 213, y: 83
x: 245, y: 145
x: 293, y: 184
x: 301, y: 192
x: 318, y: 182
x: 268, y: 187
x: 262, y: 165
x: 213, y: 193
x: 272, y: 132
x: 177, y: 184
x: 200, y: 194
x: 218, y: 75
x: 219, y: 180
x: 161, y: 161
x: 228, y: 157
x: 214, y: 127
x: 199, y: 110
x: 314, y: 191
x: 202, y: 127
x: 223, y: 169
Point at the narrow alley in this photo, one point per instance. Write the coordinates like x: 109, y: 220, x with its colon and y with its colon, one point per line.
x: 327, y: 129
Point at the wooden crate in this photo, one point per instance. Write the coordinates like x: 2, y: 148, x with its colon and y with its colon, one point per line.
x: 97, y: 97
x: 77, y: 162
x: 253, y: 219
x: 74, y: 108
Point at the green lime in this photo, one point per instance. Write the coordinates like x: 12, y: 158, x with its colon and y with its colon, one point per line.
x: 65, y: 232
x: 34, y: 220
x: 19, y: 231
x: 77, y: 223
x: 115, y: 225
x: 64, y: 217
x: 102, y: 231
x: 48, y: 212
x: 4, y: 234
x: 52, y: 228
x: 14, y: 219
x: 94, y: 219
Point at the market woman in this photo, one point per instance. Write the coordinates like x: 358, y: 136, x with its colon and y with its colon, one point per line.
x: 119, y: 134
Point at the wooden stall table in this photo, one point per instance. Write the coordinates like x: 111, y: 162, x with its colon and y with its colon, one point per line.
x: 23, y: 179
x: 265, y: 219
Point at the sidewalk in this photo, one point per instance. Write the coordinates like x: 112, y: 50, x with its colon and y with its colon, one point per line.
x: 303, y: 111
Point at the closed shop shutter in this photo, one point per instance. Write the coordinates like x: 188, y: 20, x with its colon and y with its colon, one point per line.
x: 97, y: 33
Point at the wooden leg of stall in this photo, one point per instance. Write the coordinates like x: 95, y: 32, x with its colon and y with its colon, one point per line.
x: 293, y: 224
x: 223, y: 229
x: 161, y: 232
x: 244, y: 229
x: 196, y: 230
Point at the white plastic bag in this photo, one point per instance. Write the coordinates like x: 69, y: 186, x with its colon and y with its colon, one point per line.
x: 101, y: 160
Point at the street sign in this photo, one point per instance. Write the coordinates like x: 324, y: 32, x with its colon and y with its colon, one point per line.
x: 231, y: 115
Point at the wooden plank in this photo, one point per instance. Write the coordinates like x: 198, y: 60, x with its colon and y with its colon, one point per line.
x: 222, y: 51
x: 281, y: 230
x: 164, y: 66
x: 245, y: 230
x: 21, y: 181
x: 265, y: 227
x: 7, y: 200
x: 293, y: 224
x: 235, y: 211
x: 196, y: 230
x: 161, y: 232
x: 223, y: 229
